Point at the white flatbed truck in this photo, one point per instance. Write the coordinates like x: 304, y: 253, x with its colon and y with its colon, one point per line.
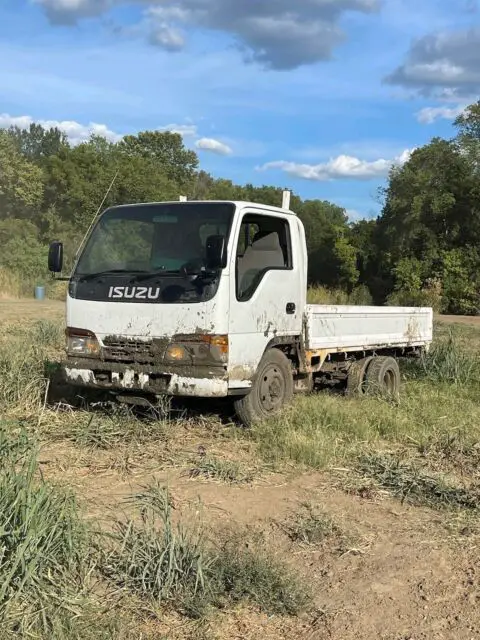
x: 208, y: 299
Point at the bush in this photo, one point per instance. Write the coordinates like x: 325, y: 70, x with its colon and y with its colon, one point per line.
x: 361, y: 296
x: 22, y: 251
x: 322, y: 295
x: 421, y: 298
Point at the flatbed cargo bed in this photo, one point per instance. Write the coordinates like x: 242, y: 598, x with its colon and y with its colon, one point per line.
x: 355, y: 328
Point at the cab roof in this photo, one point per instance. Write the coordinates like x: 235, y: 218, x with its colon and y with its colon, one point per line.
x: 240, y: 204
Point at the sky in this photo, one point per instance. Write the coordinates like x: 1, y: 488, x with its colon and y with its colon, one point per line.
x: 318, y: 96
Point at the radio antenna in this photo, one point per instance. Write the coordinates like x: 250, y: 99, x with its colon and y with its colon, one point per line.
x: 104, y: 198
x: 98, y: 211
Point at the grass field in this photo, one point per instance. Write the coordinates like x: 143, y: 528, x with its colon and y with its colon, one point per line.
x: 343, y: 518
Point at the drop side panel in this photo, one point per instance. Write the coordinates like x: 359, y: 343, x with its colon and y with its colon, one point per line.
x: 351, y: 328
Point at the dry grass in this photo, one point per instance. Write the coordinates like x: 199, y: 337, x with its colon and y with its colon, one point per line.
x: 44, y: 552
x: 423, y: 448
x: 323, y: 295
x: 411, y: 483
x: 229, y: 471
x: 327, y: 429
x: 311, y: 526
x: 15, y: 287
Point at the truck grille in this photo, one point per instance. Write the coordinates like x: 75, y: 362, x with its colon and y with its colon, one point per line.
x: 141, y: 351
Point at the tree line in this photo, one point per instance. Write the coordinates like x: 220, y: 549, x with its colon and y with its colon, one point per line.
x: 422, y: 249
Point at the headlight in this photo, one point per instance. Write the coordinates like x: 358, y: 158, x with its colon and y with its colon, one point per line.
x: 198, y: 349
x: 177, y: 353
x: 81, y: 342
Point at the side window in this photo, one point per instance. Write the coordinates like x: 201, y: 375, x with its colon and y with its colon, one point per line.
x: 264, y: 244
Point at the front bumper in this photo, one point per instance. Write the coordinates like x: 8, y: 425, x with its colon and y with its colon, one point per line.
x: 202, y: 382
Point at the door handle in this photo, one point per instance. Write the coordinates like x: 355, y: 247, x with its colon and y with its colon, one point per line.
x: 290, y: 308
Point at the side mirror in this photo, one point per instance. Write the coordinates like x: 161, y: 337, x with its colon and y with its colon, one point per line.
x: 216, y: 252
x: 55, y: 257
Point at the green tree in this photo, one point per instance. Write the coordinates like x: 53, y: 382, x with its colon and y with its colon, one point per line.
x: 141, y: 179
x: 21, y: 181
x: 429, y: 229
x: 409, y: 275
x: 468, y: 135
x: 176, y: 161
x: 468, y: 122
x: 36, y: 142
x: 460, y: 281
x: 345, y: 263
x: 324, y: 224
x: 78, y: 179
x: 22, y: 252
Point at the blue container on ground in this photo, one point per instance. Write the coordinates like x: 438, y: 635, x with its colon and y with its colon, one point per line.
x: 39, y: 293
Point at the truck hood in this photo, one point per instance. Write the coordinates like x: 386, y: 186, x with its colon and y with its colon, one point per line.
x: 145, y: 321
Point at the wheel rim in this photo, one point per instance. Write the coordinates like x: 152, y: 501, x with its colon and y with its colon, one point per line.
x: 389, y: 381
x: 271, y: 389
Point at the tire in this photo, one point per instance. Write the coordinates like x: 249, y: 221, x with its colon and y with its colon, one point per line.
x: 383, y: 376
x: 272, y: 389
x: 356, y: 376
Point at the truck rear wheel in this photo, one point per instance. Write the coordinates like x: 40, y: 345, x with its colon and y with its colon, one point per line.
x: 383, y: 376
x: 356, y: 376
x: 272, y: 389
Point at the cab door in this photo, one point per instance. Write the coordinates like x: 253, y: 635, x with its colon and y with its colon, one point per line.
x: 267, y: 289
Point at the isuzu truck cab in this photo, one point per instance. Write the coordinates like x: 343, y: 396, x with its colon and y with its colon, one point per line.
x: 209, y: 299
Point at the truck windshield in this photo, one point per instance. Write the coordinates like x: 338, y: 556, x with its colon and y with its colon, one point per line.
x: 154, y: 238
x: 151, y: 253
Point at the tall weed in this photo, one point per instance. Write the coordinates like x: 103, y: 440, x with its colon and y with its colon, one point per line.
x: 450, y: 362
x: 174, y: 563
x: 155, y: 558
x: 23, y: 357
x: 42, y: 544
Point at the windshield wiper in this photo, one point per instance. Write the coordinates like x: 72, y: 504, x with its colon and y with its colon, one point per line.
x: 98, y: 274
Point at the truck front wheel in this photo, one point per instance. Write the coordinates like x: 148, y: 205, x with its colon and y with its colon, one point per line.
x: 272, y: 389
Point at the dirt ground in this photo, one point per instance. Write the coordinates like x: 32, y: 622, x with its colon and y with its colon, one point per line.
x: 28, y: 311
x: 402, y: 574
x: 405, y: 574
x: 473, y: 321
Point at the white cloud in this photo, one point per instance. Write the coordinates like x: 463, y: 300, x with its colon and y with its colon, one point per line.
x: 279, y: 34
x: 215, y: 146
x: 445, y: 64
x: 163, y: 33
x: 354, y: 215
x: 69, y: 11
x: 185, y: 130
x: 429, y: 115
x: 342, y: 167
x: 167, y: 38
x: 78, y: 133
x: 75, y: 131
